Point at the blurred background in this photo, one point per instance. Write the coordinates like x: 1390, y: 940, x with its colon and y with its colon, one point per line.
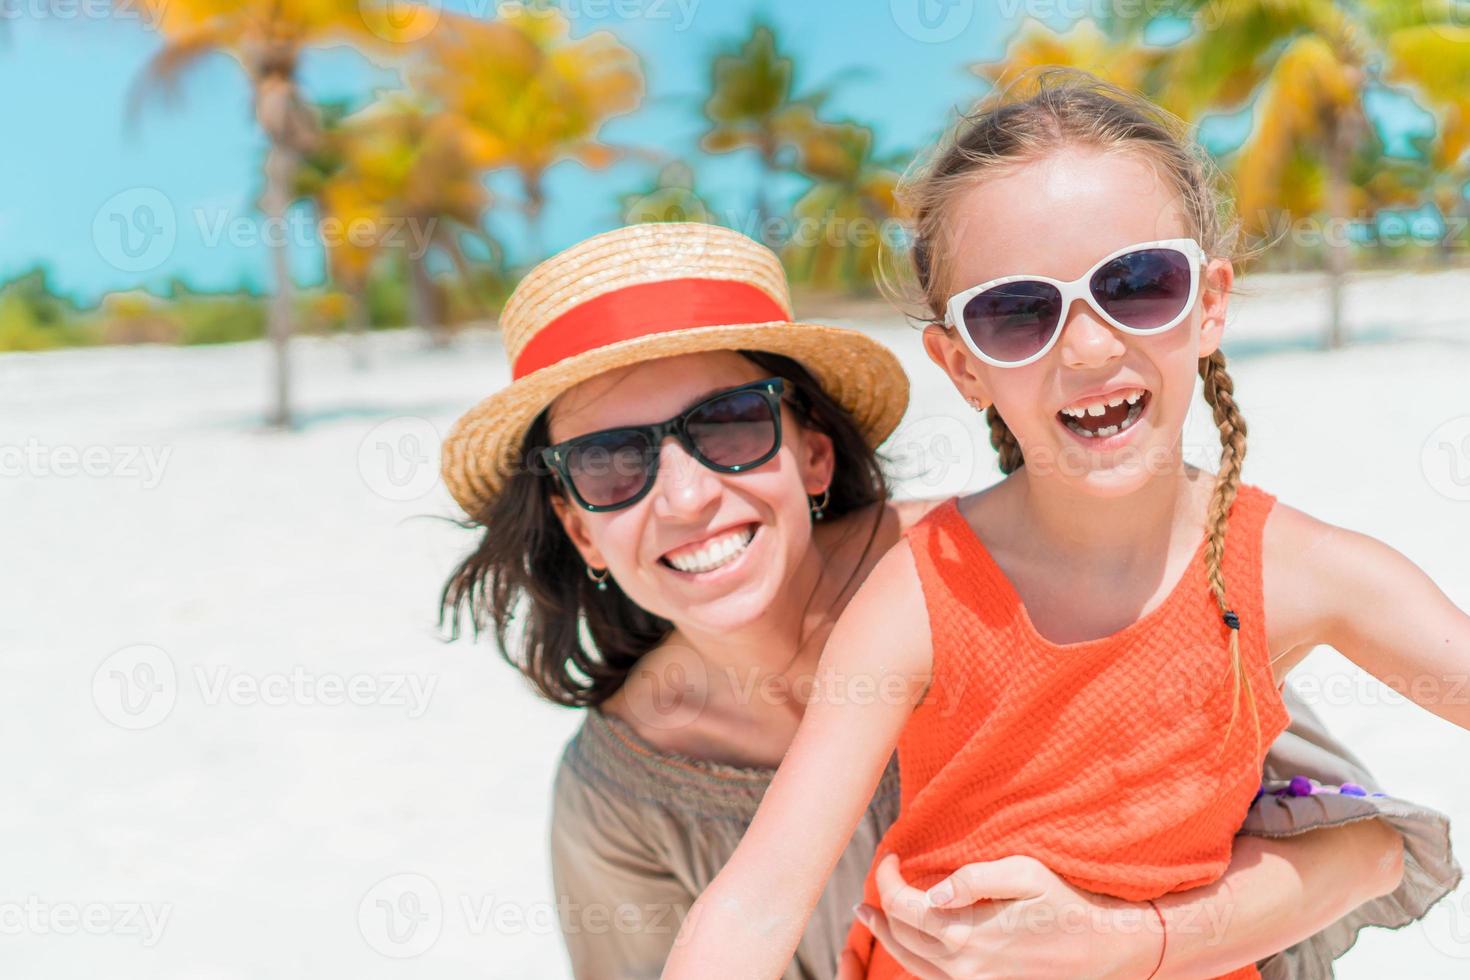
x: 251, y: 258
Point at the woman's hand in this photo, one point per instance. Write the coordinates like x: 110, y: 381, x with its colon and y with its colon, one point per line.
x: 1007, y: 918
x: 1014, y: 917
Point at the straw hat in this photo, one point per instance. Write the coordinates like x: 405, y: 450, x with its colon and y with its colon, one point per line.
x: 645, y: 292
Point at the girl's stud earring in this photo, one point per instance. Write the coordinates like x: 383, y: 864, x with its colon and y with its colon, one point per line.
x: 601, y: 579
x: 819, y: 507
x: 976, y: 404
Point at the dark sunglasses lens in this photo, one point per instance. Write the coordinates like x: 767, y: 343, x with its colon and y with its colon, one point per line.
x: 1013, y: 321
x: 610, y: 468
x: 1145, y: 289
x: 733, y: 430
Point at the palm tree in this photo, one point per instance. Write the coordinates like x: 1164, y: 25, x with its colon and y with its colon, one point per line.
x: 1304, y: 67
x: 751, y: 107
x: 267, y: 38
x: 401, y: 181
x: 1112, y: 56
x: 530, y: 94
x: 845, y: 221
x: 1307, y: 67
x: 1420, y: 58
x: 349, y: 261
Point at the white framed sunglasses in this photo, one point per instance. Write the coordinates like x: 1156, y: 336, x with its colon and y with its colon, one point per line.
x: 1140, y: 289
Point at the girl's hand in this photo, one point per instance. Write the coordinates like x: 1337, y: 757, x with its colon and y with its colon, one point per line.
x: 1007, y: 918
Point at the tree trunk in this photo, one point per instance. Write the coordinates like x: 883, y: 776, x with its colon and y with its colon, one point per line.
x: 280, y: 169
x: 535, y: 201
x: 466, y: 275
x: 1450, y: 242
x: 357, y: 326
x: 425, y: 299
x: 1338, y: 247
x: 762, y: 195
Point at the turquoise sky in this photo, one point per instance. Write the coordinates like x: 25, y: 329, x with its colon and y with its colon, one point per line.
x: 78, y: 177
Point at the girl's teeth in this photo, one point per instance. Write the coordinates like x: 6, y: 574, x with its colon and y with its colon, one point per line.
x: 1135, y: 410
x: 1081, y: 412
x: 713, y: 554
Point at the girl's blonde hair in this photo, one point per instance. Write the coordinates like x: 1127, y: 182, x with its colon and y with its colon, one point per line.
x: 1045, y: 110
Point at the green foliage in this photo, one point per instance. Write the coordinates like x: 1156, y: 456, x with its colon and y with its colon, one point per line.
x: 834, y: 195
x: 835, y: 228
x: 33, y: 317
x: 749, y: 86
x: 225, y: 319
x: 387, y: 296
x: 20, y: 329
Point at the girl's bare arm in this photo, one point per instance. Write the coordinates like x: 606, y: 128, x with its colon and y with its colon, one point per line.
x: 1328, y: 585
x: 873, y: 672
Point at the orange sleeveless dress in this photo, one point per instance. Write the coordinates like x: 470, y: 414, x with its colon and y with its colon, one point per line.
x: 1106, y: 760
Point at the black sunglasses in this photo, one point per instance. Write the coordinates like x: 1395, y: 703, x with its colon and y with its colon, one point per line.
x: 730, y: 431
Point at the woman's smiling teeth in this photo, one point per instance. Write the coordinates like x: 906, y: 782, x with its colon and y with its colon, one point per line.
x: 1098, y: 418
x: 712, y: 553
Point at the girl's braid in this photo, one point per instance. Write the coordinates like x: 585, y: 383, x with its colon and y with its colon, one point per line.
x: 1219, y: 392
x: 1004, y: 442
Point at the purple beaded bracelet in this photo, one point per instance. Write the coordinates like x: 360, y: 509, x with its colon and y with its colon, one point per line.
x: 1303, y: 786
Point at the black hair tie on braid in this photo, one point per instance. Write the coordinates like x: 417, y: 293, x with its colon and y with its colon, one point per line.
x: 1232, y: 620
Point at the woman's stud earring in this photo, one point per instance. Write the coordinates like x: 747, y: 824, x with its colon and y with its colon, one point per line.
x: 819, y: 507
x: 976, y: 404
x: 601, y: 580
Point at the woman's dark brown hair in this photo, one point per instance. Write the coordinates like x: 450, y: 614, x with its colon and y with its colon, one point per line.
x: 527, y: 583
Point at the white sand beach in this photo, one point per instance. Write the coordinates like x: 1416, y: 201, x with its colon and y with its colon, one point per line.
x: 234, y: 741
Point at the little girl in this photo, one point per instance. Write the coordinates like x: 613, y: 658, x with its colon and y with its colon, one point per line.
x: 1082, y: 663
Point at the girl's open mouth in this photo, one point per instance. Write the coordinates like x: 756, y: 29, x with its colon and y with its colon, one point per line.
x: 1099, y: 418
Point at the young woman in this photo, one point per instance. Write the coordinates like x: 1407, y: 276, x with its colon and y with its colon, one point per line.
x: 680, y: 495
